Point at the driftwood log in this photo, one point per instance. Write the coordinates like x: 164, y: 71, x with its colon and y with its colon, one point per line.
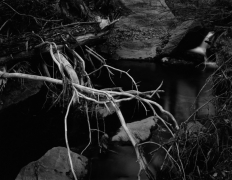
x: 22, y: 52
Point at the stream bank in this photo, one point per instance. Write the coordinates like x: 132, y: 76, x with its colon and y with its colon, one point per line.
x: 30, y: 138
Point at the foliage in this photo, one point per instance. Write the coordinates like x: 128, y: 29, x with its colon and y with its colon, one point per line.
x: 206, y: 154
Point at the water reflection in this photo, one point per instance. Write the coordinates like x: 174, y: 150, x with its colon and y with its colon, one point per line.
x: 185, y: 88
x: 118, y: 164
x: 185, y: 91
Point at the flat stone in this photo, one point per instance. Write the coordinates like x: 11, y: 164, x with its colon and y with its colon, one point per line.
x: 141, y: 130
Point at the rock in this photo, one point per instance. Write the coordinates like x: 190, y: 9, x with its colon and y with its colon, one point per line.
x: 188, y: 35
x: 136, y: 36
x: 176, y: 36
x: 194, y: 128
x: 54, y: 165
x: 140, y: 129
x: 105, y: 110
x: 18, y: 90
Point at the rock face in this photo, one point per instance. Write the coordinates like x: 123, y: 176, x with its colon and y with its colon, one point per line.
x: 176, y: 36
x: 189, y: 34
x: 186, y: 36
x: 54, y: 165
x: 137, y: 35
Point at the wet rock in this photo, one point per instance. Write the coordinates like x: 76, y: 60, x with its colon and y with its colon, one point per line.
x: 136, y: 36
x: 188, y: 35
x: 54, y: 165
x: 176, y: 36
x: 141, y: 130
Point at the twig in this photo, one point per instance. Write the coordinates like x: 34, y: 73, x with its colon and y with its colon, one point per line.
x: 181, y: 164
x: 123, y: 72
x: 73, y: 24
x: 90, y: 137
x: 66, y: 136
x: 35, y: 18
x: 169, y: 149
x: 97, y: 56
x: 167, y: 152
x: 141, y: 161
x: 88, y: 90
x: 165, y: 124
x: 4, y: 24
x: 186, y: 121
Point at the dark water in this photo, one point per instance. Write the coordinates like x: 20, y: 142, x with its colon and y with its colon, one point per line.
x: 185, y: 90
x: 28, y: 129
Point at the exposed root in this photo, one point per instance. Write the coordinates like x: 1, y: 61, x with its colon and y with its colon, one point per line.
x: 92, y: 95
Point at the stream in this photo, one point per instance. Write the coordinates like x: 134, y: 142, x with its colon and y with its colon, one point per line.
x: 31, y: 130
x: 185, y: 89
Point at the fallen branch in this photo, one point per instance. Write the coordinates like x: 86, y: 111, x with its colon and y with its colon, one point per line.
x: 66, y: 136
x: 109, y: 97
x: 89, y: 91
x: 80, y: 40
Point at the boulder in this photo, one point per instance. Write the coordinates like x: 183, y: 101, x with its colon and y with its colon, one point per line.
x: 15, y: 91
x: 54, y: 165
x: 137, y: 35
x: 141, y: 131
